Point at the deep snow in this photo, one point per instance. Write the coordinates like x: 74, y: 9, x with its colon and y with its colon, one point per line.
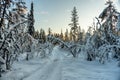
x: 61, y: 66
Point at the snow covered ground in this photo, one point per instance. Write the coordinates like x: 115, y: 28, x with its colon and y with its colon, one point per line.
x: 60, y: 67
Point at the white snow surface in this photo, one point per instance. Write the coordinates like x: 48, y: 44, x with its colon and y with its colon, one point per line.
x: 60, y: 66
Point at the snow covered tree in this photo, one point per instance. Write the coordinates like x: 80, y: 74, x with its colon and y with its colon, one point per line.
x: 31, y: 21
x: 14, y: 21
x: 90, y: 50
x: 109, y: 16
x: 74, y: 24
x: 42, y: 37
x: 109, y: 19
x: 103, y: 37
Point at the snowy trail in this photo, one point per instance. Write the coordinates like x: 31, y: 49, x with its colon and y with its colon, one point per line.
x: 50, y: 71
x: 61, y: 67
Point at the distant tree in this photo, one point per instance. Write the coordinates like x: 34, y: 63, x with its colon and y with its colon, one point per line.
x: 42, y: 36
x: 49, y: 31
x: 61, y: 35
x: 80, y: 36
x: 66, y: 35
x: 49, y: 35
x: 70, y: 35
x: 31, y: 21
x: 36, y: 34
x: 83, y: 31
x: 56, y: 35
x: 74, y: 24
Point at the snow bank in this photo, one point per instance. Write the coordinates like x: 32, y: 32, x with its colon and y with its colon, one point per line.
x: 58, y: 54
x: 22, y: 56
x: 75, y: 69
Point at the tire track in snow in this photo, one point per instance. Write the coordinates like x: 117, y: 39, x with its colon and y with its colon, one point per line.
x: 57, y: 73
x: 31, y: 73
x: 51, y: 71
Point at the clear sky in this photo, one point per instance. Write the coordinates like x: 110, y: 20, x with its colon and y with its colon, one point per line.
x: 56, y: 14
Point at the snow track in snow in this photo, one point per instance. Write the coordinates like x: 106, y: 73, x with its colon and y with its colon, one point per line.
x: 50, y: 71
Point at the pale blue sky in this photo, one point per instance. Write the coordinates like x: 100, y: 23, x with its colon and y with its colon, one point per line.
x: 57, y: 13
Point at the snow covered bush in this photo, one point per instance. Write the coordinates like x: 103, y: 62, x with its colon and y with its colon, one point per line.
x: 44, y: 50
x: 103, y: 44
x: 89, y: 50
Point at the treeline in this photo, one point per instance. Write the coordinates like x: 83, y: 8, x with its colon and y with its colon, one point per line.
x: 65, y: 36
x: 75, y: 34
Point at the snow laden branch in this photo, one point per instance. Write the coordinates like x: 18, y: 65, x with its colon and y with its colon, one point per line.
x: 9, y: 31
x: 73, y: 48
